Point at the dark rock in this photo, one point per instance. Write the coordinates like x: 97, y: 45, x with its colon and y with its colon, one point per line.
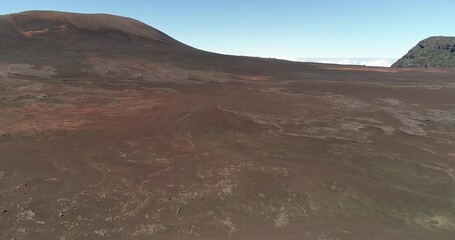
x: 434, y: 52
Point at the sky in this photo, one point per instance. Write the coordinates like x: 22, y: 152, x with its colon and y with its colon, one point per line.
x: 365, y: 32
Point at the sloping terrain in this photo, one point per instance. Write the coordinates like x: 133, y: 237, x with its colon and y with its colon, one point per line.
x: 433, y: 52
x: 103, y: 138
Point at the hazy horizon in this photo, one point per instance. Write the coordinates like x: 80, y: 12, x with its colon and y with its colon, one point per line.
x: 355, y: 32
x: 372, y: 62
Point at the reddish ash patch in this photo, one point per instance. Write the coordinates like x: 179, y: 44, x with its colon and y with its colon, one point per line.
x: 47, y: 116
x: 252, y: 78
x: 271, y: 133
x: 36, y: 118
x: 34, y: 33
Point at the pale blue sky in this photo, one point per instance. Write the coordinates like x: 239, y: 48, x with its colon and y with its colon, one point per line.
x: 292, y: 29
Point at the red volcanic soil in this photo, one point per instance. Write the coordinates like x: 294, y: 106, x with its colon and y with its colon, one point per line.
x: 111, y: 129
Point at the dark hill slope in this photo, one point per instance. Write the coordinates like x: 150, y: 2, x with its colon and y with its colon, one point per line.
x: 433, y: 52
x: 52, y: 38
x: 38, y: 33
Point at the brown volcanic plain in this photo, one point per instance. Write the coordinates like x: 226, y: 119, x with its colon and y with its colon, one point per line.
x: 110, y: 129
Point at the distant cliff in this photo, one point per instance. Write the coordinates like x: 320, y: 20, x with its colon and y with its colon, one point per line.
x: 433, y: 52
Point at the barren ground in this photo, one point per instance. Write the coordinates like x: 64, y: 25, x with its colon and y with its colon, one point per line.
x: 171, y: 153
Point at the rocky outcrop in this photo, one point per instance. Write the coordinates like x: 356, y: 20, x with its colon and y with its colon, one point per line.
x: 433, y: 52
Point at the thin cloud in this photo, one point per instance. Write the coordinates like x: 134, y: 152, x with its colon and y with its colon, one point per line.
x: 373, y: 62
